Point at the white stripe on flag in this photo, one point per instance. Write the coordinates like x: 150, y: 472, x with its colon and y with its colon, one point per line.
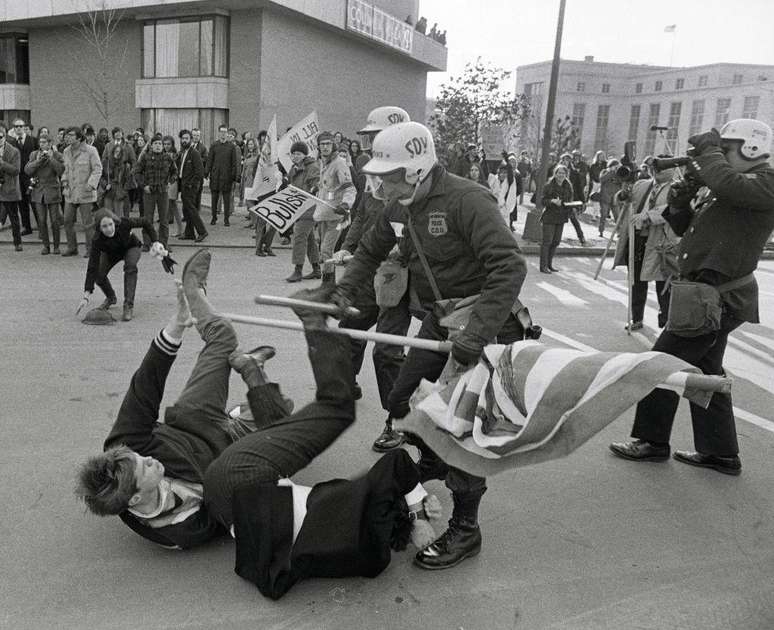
x: 542, y: 374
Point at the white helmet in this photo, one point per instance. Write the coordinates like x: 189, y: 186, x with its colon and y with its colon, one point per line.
x: 754, y: 135
x: 383, y: 117
x: 407, y: 146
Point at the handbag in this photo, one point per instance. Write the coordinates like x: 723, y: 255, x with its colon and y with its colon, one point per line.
x: 696, y: 308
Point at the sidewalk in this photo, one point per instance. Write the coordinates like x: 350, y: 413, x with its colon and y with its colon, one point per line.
x: 239, y: 237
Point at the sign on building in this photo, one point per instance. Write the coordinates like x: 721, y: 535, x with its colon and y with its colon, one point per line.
x: 368, y: 20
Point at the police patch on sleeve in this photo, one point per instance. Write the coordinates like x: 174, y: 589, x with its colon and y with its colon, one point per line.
x: 436, y: 224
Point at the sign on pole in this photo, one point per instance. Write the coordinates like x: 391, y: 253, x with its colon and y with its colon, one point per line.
x: 267, y: 179
x: 285, y: 207
x: 305, y: 130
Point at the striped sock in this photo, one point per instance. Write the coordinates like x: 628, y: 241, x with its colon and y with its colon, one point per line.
x: 167, y: 344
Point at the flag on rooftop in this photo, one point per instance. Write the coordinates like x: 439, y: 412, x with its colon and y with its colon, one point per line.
x: 671, y: 28
x: 527, y: 403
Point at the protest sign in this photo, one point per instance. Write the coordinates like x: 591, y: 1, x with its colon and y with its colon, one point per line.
x: 267, y: 177
x: 285, y: 207
x: 306, y: 130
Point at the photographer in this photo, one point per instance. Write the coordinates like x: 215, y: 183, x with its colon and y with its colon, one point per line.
x: 724, y: 230
x: 44, y: 168
x: 557, y: 192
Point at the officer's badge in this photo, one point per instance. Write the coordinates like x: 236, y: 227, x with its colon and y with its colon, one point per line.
x: 436, y: 224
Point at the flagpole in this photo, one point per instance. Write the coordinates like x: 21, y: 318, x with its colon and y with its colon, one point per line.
x: 672, y: 53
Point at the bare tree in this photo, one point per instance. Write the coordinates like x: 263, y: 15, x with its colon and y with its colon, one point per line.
x: 96, y: 28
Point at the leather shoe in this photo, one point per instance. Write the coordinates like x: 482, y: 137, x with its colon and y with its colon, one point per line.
x: 725, y: 465
x: 214, y: 220
x: 128, y: 313
x: 242, y: 361
x: 70, y: 252
x: 26, y: 232
x: 641, y: 450
x: 315, y: 274
x: 553, y: 269
x: 196, y: 270
x: 634, y: 326
x: 545, y: 270
x: 389, y: 439
x: 107, y: 303
x: 201, y: 237
x: 462, y: 540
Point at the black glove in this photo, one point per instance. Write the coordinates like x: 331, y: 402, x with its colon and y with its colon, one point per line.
x: 681, y: 194
x: 466, y: 349
x: 168, y: 264
x: 705, y: 142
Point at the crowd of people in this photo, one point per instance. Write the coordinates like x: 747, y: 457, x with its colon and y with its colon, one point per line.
x: 453, y: 264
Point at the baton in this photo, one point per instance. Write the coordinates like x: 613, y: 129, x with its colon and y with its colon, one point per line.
x: 330, y: 309
x: 344, y: 261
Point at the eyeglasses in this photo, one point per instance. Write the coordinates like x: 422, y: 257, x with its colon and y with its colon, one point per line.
x: 18, y: 126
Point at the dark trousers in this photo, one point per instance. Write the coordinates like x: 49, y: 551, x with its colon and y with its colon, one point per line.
x: 552, y: 236
x: 11, y: 210
x: 714, y: 429
x: 640, y: 297
x: 106, y: 263
x: 576, y: 224
x: 264, y: 235
x: 388, y: 359
x: 157, y: 199
x: 194, y: 226
x: 52, y: 211
x: 25, y: 206
x: 288, y: 444
x: 228, y: 199
x: 427, y: 364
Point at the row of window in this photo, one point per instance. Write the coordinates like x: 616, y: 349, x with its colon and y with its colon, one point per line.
x: 737, y: 79
x: 722, y: 113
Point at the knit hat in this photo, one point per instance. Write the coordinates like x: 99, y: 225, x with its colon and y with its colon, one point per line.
x: 300, y: 147
x: 325, y: 136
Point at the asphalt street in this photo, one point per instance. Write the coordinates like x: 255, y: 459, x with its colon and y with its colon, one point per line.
x: 586, y: 542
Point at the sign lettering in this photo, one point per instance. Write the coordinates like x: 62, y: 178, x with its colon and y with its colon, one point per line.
x: 376, y: 24
x: 283, y: 208
x: 416, y: 147
x: 305, y: 130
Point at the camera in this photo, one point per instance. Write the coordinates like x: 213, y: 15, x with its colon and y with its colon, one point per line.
x: 33, y: 183
x: 662, y: 164
x: 627, y: 172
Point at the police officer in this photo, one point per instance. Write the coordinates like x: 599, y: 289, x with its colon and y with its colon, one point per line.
x: 455, y: 226
x: 394, y: 317
x: 724, y: 230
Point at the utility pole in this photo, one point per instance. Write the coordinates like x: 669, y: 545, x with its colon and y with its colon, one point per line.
x: 547, y: 130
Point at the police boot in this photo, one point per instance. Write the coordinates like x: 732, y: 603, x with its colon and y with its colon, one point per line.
x: 296, y: 275
x: 315, y: 274
x: 461, y: 540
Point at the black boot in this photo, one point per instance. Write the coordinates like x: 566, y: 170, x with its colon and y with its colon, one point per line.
x: 296, y: 275
x: 389, y: 438
x: 461, y: 540
x: 315, y: 274
x: 544, y: 249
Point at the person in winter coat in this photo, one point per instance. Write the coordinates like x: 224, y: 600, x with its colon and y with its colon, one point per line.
x: 609, y: 185
x: 598, y: 165
x: 83, y: 170
x: 155, y: 170
x: 10, y: 194
x: 114, y: 242
x: 557, y: 192
x: 304, y: 174
x: 222, y: 169
x: 504, y: 188
x: 116, y: 179
x: 44, y: 169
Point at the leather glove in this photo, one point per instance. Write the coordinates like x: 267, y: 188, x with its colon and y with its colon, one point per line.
x: 340, y: 257
x: 342, y: 209
x: 705, y: 142
x: 168, y: 263
x: 466, y: 349
x: 681, y: 194
x: 340, y: 298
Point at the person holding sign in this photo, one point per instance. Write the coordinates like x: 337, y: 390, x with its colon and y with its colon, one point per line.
x: 337, y: 191
x: 304, y: 174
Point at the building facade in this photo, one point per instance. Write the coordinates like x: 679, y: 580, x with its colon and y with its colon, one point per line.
x: 201, y: 63
x: 612, y: 103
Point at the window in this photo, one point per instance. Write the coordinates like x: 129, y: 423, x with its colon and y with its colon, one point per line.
x: 638, y: 88
x: 581, y: 87
x: 605, y: 88
x: 186, y: 47
x: 9, y: 115
x: 679, y: 84
x: 634, y: 122
x: 603, y: 117
x: 703, y: 80
x: 737, y: 79
x: 697, y: 117
x: 721, y: 112
x: 650, y: 136
x: 751, y: 104
x: 578, y: 114
x: 658, y: 86
x: 169, y: 121
x: 674, y: 120
x: 14, y: 59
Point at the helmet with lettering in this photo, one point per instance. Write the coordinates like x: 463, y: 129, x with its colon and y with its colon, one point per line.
x: 408, y: 146
x: 754, y: 135
x: 383, y: 117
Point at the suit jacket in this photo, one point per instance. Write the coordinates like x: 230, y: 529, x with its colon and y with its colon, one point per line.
x: 10, y: 167
x: 222, y: 165
x: 48, y: 172
x: 193, y: 170
x: 202, y: 150
x: 25, y: 149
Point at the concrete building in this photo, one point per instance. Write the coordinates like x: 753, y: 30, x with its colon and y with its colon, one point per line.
x: 612, y: 102
x: 200, y: 63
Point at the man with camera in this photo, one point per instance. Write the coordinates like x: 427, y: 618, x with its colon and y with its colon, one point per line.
x: 44, y: 169
x: 10, y: 195
x: 724, y: 211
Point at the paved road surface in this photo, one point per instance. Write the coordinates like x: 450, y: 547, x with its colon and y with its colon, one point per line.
x: 588, y: 542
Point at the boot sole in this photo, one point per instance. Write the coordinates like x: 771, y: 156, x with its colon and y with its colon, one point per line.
x: 470, y: 554
x: 721, y: 469
x: 386, y: 449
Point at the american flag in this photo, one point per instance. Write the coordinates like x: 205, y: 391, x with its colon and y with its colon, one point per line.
x: 527, y: 403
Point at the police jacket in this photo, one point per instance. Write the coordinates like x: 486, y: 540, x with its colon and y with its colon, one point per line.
x: 724, y: 237
x: 468, y: 247
x: 116, y: 246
